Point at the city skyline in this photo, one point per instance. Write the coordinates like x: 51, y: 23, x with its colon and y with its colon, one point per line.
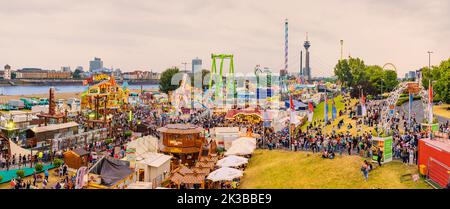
x: 154, y: 35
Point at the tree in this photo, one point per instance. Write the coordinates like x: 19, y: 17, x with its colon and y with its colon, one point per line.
x: 77, y: 74
x: 372, y: 79
x: 343, y: 72
x: 390, y: 78
x: 13, y: 75
x: 376, y: 79
x: 165, y: 82
x: 38, y: 167
x: 440, y: 75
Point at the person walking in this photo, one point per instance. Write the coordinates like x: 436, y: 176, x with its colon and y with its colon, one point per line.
x: 365, y: 170
x: 46, y: 174
x: 44, y: 183
x: 379, y: 156
x: 411, y: 156
x: 34, y: 178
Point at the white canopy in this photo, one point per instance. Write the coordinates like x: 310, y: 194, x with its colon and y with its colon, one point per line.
x: 225, y: 174
x: 245, y: 141
x: 232, y: 161
x: 239, y: 150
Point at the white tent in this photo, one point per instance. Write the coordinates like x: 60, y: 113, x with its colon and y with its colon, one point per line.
x: 225, y: 174
x: 232, y: 161
x: 239, y: 150
x: 245, y: 141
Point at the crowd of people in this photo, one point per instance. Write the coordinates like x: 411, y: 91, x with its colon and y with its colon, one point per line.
x: 314, y: 138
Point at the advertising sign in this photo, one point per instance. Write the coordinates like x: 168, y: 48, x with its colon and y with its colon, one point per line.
x: 385, y: 144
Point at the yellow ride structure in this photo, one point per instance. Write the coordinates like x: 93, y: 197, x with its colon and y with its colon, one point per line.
x: 105, y: 94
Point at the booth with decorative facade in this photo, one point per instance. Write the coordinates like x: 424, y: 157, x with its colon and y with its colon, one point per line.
x: 183, y: 141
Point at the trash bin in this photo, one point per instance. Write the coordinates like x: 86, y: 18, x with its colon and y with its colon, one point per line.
x: 423, y: 170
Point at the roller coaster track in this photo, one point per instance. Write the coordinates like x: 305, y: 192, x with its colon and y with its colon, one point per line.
x: 393, y: 97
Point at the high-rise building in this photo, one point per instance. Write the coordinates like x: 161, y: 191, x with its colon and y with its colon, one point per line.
x: 95, y: 64
x: 307, y: 70
x: 196, y: 65
x: 7, y: 73
x: 65, y: 69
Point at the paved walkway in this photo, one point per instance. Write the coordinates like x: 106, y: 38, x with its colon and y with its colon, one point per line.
x: 7, y: 175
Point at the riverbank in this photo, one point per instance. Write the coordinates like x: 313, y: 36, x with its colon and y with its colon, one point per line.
x: 47, y: 82
x: 68, y: 95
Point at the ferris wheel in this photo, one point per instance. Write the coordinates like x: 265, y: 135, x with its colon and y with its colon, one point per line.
x: 390, y: 67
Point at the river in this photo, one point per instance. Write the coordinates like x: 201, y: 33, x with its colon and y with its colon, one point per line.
x: 24, y: 90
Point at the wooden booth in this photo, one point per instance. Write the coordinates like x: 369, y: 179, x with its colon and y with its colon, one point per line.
x: 40, y: 135
x: 76, y: 158
x: 183, y: 141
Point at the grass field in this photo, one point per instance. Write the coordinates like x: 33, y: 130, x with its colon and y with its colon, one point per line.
x: 442, y: 110
x: 319, y: 109
x: 282, y: 169
x: 319, y: 115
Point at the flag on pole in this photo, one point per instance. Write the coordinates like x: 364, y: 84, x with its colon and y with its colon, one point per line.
x: 311, y: 111
x: 410, y: 109
x: 310, y: 106
x: 333, y: 109
x: 326, y: 108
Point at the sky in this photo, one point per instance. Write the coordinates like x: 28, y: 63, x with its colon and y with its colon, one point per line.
x: 155, y: 34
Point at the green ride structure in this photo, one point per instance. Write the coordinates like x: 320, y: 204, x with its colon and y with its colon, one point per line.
x: 218, y: 76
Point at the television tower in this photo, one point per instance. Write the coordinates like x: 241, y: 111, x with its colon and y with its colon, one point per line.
x: 286, y: 45
x: 301, y: 64
x: 307, y: 71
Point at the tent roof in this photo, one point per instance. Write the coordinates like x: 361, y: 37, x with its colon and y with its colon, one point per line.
x: 297, y: 104
x: 180, y: 129
x: 80, y: 151
x: 111, y: 170
x: 54, y: 127
x: 231, y: 113
x: 154, y: 159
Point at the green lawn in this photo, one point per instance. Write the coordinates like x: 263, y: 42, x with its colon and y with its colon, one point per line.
x: 319, y: 109
x: 288, y: 170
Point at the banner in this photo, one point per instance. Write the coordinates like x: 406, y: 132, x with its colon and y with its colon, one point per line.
x: 363, y: 105
x: 410, y: 108
x: 333, y: 110
x: 310, y: 116
x: 294, y: 118
x: 79, y: 183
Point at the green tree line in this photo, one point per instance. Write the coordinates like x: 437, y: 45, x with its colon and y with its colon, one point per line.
x: 373, y: 79
x: 440, y: 76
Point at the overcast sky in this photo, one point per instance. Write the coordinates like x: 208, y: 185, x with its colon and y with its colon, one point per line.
x: 150, y: 34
